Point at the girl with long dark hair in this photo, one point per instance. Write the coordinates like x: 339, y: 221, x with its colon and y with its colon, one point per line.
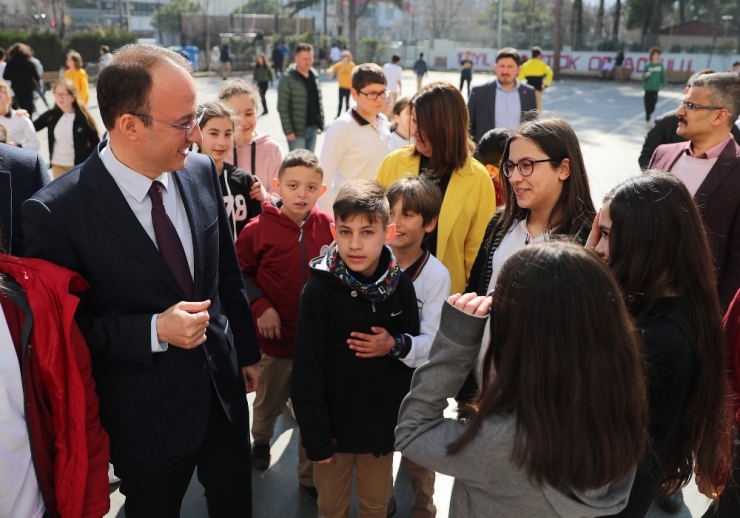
x: 651, y: 235
x: 558, y: 424
x: 547, y: 195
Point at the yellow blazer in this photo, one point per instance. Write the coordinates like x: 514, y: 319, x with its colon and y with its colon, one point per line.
x: 468, y: 206
x: 79, y: 78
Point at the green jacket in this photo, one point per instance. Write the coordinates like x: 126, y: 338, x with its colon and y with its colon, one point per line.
x: 292, y: 102
x: 263, y: 74
x: 656, y: 79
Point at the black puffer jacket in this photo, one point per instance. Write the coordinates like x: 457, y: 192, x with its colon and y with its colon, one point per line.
x: 344, y: 403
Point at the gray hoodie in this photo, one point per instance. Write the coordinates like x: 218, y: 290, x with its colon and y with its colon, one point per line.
x: 486, y: 482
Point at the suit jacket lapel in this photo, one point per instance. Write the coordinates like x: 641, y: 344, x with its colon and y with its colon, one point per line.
x: 725, y: 163
x: 188, y: 193
x: 492, y: 104
x: 107, y: 199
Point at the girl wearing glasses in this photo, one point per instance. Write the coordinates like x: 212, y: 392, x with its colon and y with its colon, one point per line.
x: 547, y: 194
x: 444, y: 154
x: 559, y: 335
x: 72, y: 134
x: 666, y: 279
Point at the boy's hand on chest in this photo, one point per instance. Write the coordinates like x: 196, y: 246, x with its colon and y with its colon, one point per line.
x: 374, y: 345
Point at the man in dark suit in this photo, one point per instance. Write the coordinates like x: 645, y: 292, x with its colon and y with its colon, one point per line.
x: 166, y: 318
x: 503, y: 102
x: 709, y: 165
x: 22, y: 173
x: 664, y: 128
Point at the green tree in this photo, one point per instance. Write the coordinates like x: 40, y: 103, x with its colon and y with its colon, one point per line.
x: 259, y: 7
x: 167, y: 16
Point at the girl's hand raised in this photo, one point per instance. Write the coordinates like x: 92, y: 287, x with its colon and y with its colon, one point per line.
x: 471, y: 303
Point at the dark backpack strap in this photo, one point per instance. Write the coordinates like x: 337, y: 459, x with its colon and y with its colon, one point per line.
x: 254, y: 161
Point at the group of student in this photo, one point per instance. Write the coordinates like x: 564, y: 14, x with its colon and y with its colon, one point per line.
x: 73, y: 132
x: 585, y: 347
x: 646, y: 407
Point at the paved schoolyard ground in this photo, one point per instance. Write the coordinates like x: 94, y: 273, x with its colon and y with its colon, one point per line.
x: 609, y: 120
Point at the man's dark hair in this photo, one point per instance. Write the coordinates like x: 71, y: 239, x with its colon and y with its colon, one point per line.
x: 300, y: 158
x: 395, y: 58
x: 303, y: 47
x: 654, y: 50
x: 536, y: 51
x: 491, y: 146
x: 367, y: 74
x: 735, y: 64
x: 125, y: 84
x: 2, y: 53
x: 421, y: 55
x: 105, y: 49
x: 362, y: 198
x: 509, y: 52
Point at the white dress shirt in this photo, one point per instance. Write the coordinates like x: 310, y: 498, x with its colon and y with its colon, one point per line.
x: 135, y: 189
x: 514, y: 240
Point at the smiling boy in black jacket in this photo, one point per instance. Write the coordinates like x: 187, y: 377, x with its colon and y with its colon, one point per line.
x: 346, y: 398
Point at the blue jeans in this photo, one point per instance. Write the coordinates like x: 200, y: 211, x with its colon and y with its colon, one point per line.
x: 307, y: 141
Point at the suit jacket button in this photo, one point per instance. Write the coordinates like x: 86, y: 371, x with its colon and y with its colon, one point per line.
x: 203, y: 364
x: 353, y: 293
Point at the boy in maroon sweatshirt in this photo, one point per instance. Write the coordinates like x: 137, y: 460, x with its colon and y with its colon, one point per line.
x: 274, y: 250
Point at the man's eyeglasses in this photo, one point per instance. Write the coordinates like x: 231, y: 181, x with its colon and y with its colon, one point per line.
x: 691, y: 106
x: 187, y: 127
x: 374, y: 95
x: 525, y: 167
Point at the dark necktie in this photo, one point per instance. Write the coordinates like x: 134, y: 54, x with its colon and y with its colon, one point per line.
x: 169, y: 242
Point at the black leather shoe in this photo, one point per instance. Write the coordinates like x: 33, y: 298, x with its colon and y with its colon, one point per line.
x: 260, y: 456
x: 672, y: 504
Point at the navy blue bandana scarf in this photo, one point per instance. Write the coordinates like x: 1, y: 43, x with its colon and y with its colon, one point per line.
x: 378, y: 291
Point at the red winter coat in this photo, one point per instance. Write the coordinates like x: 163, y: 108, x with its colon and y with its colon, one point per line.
x: 69, y: 447
x: 273, y: 254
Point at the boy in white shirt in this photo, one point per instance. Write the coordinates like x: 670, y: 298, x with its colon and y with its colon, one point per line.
x: 393, y: 73
x: 357, y: 142
x: 415, y: 204
x: 20, y: 130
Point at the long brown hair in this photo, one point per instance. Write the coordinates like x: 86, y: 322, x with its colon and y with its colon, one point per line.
x: 574, y: 210
x: 658, y: 245
x: 443, y: 120
x: 564, y: 358
x: 78, y: 106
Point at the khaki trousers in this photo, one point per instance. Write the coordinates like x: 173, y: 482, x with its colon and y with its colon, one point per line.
x: 538, y: 98
x: 422, y: 484
x: 418, y: 82
x: 269, y: 404
x: 334, y: 483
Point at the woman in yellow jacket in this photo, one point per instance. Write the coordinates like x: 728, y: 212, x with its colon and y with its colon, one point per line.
x: 443, y: 152
x: 78, y: 76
